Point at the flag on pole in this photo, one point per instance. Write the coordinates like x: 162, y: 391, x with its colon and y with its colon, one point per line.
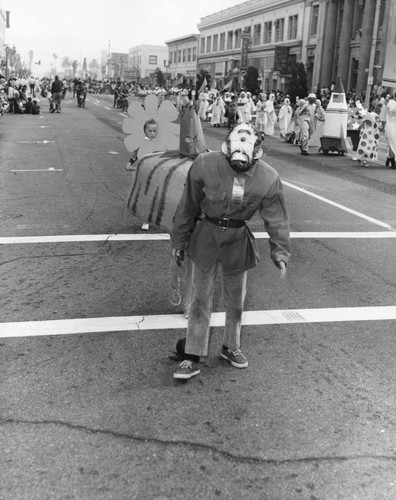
x: 204, y: 84
x: 228, y: 86
x: 180, y: 81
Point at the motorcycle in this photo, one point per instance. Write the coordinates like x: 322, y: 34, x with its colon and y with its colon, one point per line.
x: 81, y: 96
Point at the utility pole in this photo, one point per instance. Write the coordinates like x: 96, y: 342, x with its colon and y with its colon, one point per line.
x: 372, y: 54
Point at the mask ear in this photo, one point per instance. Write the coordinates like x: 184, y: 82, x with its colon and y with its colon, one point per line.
x: 224, y: 148
x: 258, y: 154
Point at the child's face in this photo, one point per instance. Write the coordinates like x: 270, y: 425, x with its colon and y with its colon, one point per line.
x: 151, y: 131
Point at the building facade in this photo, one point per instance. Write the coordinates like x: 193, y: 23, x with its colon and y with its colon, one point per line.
x: 2, y: 42
x: 182, y: 58
x: 143, y: 60
x: 349, y: 38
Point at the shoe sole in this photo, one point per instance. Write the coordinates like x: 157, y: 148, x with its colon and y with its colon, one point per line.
x: 182, y: 376
x: 237, y: 365
x: 174, y: 304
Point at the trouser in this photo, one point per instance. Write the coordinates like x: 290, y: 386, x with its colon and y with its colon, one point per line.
x: 305, y: 135
x: 234, y: 291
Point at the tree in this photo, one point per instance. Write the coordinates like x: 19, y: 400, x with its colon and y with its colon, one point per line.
x: 160, y: 77
x: 251, y: 80
x: 299, y: 85
x: 66, y: 63
x: 93, y: 67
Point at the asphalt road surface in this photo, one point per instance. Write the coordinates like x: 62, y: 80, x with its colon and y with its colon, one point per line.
x: 89, y: 408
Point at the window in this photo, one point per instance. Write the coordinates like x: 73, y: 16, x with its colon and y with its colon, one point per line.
x: 179, y: 56
x: 230, y: 35
x: 184, y: 55
x: 189, y: 55
x: 215, y: 42
x: 209, y: 44
x: 268, y: 32
x: 202, y: 45
x: 292, y: 28
x: 256, y: 34
x: 237, y: 41
x: 152, y: 59
x: 279, y: 29
x: 222, y: 41
x: 313, y: 29
x: 194, y: 54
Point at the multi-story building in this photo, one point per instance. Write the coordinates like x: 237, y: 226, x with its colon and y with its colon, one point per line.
x: 349, y: 38
x: 182, y: 60
x: 3, y: 23
x: 117, y: 62
x: 145, y: 59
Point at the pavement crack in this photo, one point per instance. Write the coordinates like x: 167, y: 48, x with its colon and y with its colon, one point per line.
x: 232, y: 457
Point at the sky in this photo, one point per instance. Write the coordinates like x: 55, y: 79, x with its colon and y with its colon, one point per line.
x: 83, y: 28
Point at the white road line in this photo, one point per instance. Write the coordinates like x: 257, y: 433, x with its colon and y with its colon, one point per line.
x: 35, y: 142
x: 107, y: 108
x: 177, y: 321
x: 337, y: 205
x: 164, y: 236
x: 39, y: 170
x: 122, y: 114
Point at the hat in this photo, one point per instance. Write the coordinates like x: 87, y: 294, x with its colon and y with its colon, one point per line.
x: 311, y: 96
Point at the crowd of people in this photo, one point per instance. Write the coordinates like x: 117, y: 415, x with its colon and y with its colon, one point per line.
x: 299, y: 121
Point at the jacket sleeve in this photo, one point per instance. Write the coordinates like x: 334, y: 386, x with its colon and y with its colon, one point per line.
x: 276, y: 220
x: 189, y: 208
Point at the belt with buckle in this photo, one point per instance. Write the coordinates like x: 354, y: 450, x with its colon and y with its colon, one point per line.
x: 225, y: 223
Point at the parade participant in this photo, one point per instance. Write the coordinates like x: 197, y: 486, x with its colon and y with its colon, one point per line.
x: 261, y: 115
x: 284, y: 117
x: 218, y: 110
x: 306, y: 118
x: 116, y: 93
x: 36, y: 108
x: 250, y: 107
x: 390, y: 131
x: 229, y: 187
x: 241, y: 107
x: 271, y: 118
x: 368, y: 138
x: 56, y: 91
x: 319, y: 119
x: 203, y: 100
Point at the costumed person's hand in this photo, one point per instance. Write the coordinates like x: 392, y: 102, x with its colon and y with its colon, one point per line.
x: 178, y: 256
x: 281, y: 265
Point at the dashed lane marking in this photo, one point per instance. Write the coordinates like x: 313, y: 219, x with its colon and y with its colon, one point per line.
x: 337, y: 205
x: 51, y: 169
x: 72, y: 238
x: 177, y: 321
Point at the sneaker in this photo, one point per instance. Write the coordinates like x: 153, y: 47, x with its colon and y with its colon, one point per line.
x: 236, y: 358
x: 186, y: 370
x: 175, y: 296
x: 145, y: 226
x: 186, y: 312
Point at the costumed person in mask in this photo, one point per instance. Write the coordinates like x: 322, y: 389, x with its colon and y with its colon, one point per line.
x: 228, y: 187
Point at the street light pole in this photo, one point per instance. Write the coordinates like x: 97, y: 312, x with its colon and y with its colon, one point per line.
x: 372, y: 54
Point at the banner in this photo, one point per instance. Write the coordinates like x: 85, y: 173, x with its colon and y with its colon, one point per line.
x: 389, y: 75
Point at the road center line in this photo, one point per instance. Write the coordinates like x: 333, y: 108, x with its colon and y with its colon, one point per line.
x: 72, y: 238
x: 177, y: 321
x: 337, y: 205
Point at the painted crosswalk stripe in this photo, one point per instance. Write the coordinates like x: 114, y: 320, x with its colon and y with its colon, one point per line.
x: 73, y: 238
x: 177, y: 321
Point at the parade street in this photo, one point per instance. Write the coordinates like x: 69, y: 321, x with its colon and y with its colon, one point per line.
x: 89, y: 408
